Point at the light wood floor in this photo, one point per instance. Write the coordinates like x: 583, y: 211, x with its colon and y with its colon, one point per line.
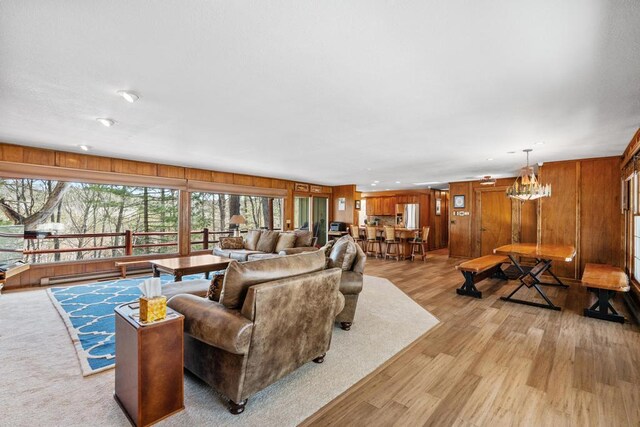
x: 490, y: 362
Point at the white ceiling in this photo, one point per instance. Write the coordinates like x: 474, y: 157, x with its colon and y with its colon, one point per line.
x: 332, y: 92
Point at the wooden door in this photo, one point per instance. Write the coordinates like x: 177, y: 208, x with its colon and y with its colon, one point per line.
x: 495, y: 221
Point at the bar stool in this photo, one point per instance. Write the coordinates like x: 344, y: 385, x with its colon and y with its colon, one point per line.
x: 419, y: 245
x: 355, y: 233
x: 373, y: 241
x: 391, y: 242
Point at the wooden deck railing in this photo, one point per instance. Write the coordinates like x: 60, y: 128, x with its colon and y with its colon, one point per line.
x: 129, y: 242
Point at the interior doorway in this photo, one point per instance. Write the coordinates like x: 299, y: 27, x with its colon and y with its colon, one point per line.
x: 495, y: 220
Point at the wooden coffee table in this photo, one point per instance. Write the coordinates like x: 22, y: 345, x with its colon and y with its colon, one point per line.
x: 181, y: 266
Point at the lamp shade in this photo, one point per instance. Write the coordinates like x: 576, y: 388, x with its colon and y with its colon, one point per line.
x: 237, y: 219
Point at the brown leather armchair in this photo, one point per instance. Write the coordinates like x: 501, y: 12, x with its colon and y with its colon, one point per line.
x: 239, y: 351
x: 351, y: 283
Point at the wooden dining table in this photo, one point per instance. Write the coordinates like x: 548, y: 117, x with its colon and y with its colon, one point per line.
x: 544, y: 255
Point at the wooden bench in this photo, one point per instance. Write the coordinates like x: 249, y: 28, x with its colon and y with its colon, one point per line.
x: 604, y: 280
x: 124, y: 264
x: 478, y: 269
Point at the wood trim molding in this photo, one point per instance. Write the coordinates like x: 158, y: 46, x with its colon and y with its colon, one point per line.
x: 216, y: 187
x: 21, y: 170
x: 632, y: 149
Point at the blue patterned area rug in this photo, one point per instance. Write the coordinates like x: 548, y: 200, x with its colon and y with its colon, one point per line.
x: 87, y: 311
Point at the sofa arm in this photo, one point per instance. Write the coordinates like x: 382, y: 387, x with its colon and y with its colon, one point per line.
x: 339, y: 305
x: 360, y: 261
x: 293, y: 251
x: 213, y: 323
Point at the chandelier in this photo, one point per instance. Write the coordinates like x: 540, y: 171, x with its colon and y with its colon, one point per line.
x: 526, y: 186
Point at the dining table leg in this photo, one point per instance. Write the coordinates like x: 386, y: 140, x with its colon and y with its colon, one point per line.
x: 531, y: 279
x: 558, y: 283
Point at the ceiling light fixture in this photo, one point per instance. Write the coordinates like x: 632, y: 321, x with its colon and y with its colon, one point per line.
x: 490, y: 159
x: 376, y: 181
x: 426, y: 183
x: 374, y: 184
x: 106, y: 122
x: 397, y: 182
x: 84, y: 147
x: 129, y: 96
x: 526, y: 186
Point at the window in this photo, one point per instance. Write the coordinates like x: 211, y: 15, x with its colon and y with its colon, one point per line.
x: 212, y: 211
x: 67, y: 221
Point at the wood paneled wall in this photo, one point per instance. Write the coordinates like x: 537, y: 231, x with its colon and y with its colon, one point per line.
x: 350, y: 214
x: 460, y: 230
x: 87, y: 167
x: 583, y: 211
x: 439, y: 231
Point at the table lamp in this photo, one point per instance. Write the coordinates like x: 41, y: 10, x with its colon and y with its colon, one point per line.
x: 237, y: 220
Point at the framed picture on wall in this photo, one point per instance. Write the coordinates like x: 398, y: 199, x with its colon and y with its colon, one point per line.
x: 342, y: 204
x: 458, y: 201
x: 315, y: 189
x: 301, y: 187
x: 357, y: 204
x: 438, y: 206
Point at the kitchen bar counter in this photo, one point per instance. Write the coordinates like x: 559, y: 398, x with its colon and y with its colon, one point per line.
x: 403, y: 235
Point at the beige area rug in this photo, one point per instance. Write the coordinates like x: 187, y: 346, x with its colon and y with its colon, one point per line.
x: 41, y: 382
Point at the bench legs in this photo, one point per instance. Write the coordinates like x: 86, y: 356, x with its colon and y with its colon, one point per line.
x: 469, y: 287
x: 470, y: 279
x: 602, y: 308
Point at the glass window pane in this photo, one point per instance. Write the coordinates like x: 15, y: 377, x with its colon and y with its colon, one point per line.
x: 68, y: 221
x: 301, y: 213
x: 213, y: 211
x: 320, y: 214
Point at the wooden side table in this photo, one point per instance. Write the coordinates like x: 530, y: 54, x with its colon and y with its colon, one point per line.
x: 149, y: 384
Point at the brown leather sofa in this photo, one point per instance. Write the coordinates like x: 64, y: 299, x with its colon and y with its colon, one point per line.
x: 347, y: 255
x: 257, y: 332
x: 351, y: 282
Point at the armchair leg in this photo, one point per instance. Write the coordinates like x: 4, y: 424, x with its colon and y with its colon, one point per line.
x: 320, y: 358
x: 237, y: 408
x: 345, y: 325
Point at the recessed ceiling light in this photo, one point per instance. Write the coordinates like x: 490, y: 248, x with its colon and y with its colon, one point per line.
x: 374, y: 184
x: 84, y: 147
x: 128, y: 95
x: 490, y: 159
x: 106, y: 122
x: 426, y: 183
x: 397, y: 182
x: 376, y: 181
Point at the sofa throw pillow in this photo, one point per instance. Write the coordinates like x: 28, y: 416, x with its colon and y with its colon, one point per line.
x: 343, y: 253
x: 304, y: 238
x: 215, y: 288
x: 231, y: 243
x: 285, y: 241
x: 239, y: 277
x: 251, y: 240
x: 327, y: 251
x: 267, y: 241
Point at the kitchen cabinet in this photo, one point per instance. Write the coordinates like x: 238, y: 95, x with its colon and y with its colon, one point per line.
x: 383, y: 206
